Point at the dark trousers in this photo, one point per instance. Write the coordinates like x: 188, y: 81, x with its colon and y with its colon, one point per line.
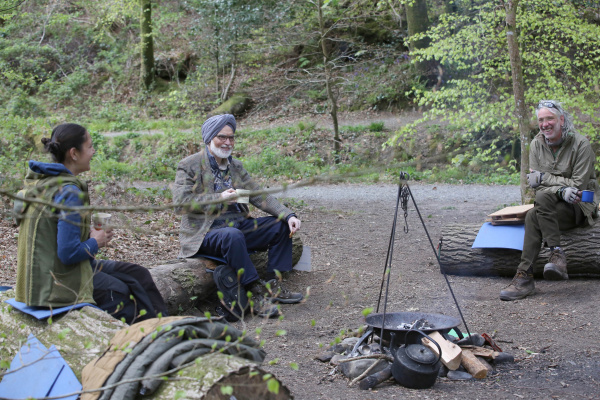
x: 234, y: 243
x: 544, y: 222
x: 116, y: 282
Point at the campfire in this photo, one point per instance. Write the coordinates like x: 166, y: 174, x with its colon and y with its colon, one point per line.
x: 414, y: 348
x: 370, y: 364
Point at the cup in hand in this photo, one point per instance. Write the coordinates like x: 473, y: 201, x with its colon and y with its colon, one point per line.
x: 101, y: 220
x: 243, y: 195
x: 587, y: 196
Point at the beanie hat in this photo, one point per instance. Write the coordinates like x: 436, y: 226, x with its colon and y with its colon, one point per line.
x: 212, y: 126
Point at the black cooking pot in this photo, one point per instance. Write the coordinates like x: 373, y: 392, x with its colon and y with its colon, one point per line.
x: 415, y: 366
x: 394, y: 321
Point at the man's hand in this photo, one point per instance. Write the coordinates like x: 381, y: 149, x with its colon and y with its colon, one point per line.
x: 102, y: 237
x: 294, y: 224
x: 570, y: 194
x: 535, y: 179
x: 229, y: 193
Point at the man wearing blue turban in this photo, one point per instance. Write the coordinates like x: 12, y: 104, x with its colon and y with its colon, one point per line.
x: 217, y: 223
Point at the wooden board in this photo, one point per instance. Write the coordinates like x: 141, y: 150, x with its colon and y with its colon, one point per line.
x: 451, y: 353
x: 510, y: 215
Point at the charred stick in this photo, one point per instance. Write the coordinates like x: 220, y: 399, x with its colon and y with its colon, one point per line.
x: 373, y: 380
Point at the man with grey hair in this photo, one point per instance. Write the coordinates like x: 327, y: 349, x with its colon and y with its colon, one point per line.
x: 562, y: 166
x: 216, y: 222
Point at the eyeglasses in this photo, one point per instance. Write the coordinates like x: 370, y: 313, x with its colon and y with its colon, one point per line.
x: 546, y: 104
x: 224, y: 138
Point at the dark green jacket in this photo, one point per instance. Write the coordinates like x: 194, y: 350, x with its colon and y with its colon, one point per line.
x: 572, y: 166
x: 42, y: 279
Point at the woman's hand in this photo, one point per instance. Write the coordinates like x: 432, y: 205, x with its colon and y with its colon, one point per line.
x: 101, y: 236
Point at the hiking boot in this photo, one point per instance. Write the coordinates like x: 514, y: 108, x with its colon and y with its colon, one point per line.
x: 521, y: 286
x: 556, y: 269
x: 274, y: 291
x: 260, y: 304
x: 263, y: 307
x: 280, y: 294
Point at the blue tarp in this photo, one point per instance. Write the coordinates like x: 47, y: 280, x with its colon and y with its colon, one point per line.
x: 44, y: 312
x: 500, y: 237
x: 39, y: 372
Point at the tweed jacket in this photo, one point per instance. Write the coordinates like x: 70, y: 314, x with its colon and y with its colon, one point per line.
x: 194, y: 187
x: 572, y: 166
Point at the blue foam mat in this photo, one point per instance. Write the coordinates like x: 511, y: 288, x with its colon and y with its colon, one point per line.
x: 500, y: 237
x: 39, y: 372
x: 45, y: 312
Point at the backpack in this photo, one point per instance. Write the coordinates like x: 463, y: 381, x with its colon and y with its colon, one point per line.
x: 234, y: 295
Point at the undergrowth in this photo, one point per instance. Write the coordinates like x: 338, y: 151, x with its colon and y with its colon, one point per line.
x: 274, y: 156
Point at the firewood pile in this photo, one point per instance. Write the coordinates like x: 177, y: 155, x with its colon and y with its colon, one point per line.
x: 474, y: 357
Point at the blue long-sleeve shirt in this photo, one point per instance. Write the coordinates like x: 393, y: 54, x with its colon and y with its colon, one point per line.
x: 71, y: 249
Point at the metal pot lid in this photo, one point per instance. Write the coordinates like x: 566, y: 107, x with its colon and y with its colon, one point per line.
x: 421, y: 354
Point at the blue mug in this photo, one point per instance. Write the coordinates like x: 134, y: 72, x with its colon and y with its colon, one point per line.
x: 587, y: 196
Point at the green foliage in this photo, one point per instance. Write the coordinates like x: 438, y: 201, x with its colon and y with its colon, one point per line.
x: 560, y: 55
x: 273, y: 385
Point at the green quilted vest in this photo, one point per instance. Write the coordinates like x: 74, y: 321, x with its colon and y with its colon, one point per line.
x: 42, y: 279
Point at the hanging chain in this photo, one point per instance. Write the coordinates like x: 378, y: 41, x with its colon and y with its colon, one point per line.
x: 404, y: 197
x: 404, y: 205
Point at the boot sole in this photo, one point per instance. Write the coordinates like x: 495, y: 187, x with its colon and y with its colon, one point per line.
x: 551, y: 274
x: 285, y: 301
x: 511, y: 298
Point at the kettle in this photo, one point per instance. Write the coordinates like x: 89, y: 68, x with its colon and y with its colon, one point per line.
x: 415, y: 366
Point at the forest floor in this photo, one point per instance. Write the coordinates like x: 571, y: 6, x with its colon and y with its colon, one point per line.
x: 552, y: 334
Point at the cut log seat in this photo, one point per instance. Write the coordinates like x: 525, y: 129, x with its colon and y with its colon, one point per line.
x: 185, y: 282
x: 581, y: 245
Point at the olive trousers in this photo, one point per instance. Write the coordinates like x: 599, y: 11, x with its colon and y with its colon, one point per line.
x: 543, y: 224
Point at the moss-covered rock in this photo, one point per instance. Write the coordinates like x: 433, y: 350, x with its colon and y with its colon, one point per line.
x: 237, y: 105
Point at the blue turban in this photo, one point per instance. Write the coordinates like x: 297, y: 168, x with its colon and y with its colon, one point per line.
x: 212, y: 126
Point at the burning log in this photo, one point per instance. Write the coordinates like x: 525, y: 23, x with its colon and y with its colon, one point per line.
x: 458, y: 258
x: 185, y: 282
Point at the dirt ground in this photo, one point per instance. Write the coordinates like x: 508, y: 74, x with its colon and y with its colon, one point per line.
x: 552, y: 334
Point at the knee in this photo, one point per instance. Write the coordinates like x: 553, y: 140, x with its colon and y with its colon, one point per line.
x: 231, y: 235
x: 284, y: 227
x: 545, y: 199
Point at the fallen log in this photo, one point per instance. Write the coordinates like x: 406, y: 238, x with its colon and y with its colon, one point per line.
x: 82, y: 335
x: 185, y: 282
x: 582, y: 247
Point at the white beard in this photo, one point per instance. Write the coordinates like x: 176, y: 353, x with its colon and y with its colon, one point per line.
x: 220, y: 152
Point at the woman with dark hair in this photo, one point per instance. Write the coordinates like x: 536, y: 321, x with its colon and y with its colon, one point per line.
x: 56, y: 266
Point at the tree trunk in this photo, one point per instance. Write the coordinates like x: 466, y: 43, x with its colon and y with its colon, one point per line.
x: 337, y: 142
x: 81, y: 335
x: 185, y: 282
x: 516, y: 67
x: 458, y: 258
x: 417, y: 21
x: 147, y: 42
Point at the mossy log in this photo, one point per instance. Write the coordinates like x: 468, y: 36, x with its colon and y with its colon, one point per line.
x: 210, y: 377
x: 582, y: 247
x: 84, y: 334
x: 184, y: 282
